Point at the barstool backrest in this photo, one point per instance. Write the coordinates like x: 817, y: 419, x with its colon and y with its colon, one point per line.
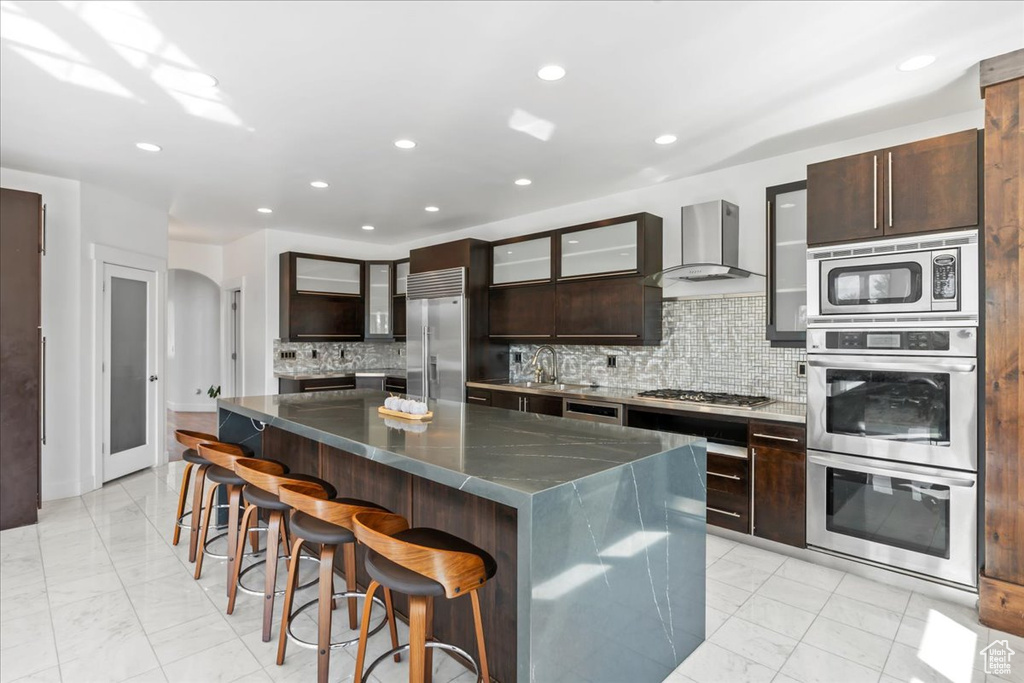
x: 221, y: 454
x: 458, y: 572
x: 190, y: 439
x: 263, y: 474
x: 307, y: 497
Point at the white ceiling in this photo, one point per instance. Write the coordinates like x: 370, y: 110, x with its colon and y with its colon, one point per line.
x: 321, y: 90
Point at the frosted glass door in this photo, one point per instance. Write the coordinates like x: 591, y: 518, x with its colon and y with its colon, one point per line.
x: 527, y: 261
x: 790, y: 262
x: 609, y: 249
x: 128, y: 369
x: 401, y: 277
x: 317, y: 276
x: 378, y: 306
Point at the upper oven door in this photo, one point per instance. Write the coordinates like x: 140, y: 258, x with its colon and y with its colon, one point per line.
x: 911, y: 409
x: 894, y: 283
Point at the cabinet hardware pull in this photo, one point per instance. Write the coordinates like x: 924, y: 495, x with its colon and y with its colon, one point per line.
x: 477, y: 398
x: 777, y: 438
x: 526, y: 404
x: 522, y: 336
x: 339, y: 336
x: 723, y: 512
x: 874, y: 190
x: 753, y: 483
x: 333, y: 386
x: 723, y: 476
x: 890, y: 189
x: 601, y: 336
x: 516, y: 283
x: 42, y: 392
x: 590, y: 275
x: 42, y: 239
x: 309, y: 291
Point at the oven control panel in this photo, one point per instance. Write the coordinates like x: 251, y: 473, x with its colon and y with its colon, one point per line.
x: 887, y: 340
x: 944, y: 277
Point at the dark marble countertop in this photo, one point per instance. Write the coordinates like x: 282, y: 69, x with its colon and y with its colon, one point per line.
x: 502, y: 455
x: 329, y: 374
x: 779, y: 411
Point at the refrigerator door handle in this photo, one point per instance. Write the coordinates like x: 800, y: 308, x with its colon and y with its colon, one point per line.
x: 424, y: 360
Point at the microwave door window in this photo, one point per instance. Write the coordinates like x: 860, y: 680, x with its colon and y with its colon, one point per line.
x: 895, y: 406
x: 899, y: 283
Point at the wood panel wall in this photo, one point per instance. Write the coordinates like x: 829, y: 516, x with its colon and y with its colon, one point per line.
x: 1002, y: 580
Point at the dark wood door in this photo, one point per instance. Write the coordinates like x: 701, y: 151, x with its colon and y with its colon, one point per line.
x: 844, y: 199
x: 932, y: 184
x: 326, y: 318
x: 779, y: 495
x: 543, y: 405
x: 398, y: 311
x: 509, y: 400
x: 611, y: 309
x: 523, y: 312
x: 20, y: 341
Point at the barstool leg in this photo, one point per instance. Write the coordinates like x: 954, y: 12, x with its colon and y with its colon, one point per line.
x: 197, y: 511
x: 233, y: 587
x: 364, y: 629
x: 485, y: 675
x: 289, y: 595
x: 273, y: 543
x: 206, y: 528
x: 428, y: 634
x: 391, y: 621
x: 323, y: 650
x: 349, y: 554
x: 186, y: 476
x: 234, y: 496
x: 417, y: 638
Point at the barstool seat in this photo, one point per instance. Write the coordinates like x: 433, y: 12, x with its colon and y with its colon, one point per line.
x: 270, y: 501
x: 398, y: 578
x: 318, y: 531
x: 192, y: 455
x: 222, y: 475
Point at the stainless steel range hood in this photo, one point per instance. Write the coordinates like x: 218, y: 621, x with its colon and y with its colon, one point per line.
x: 711, y: 245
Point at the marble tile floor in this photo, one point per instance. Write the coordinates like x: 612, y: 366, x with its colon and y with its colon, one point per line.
x: 95, y: 592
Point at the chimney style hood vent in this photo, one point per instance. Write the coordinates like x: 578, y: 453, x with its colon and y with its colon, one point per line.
x: 711, y: 245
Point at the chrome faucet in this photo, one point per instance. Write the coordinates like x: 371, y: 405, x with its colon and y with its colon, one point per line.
x: 539, y: 369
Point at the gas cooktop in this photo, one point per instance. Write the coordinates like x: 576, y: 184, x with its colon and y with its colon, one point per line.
x: 708, y: 398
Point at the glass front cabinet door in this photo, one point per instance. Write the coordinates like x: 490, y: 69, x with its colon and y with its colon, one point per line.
x: 606, y: 250
x: 378, y: 300
x: 521, y: 262
x: 786, y: 295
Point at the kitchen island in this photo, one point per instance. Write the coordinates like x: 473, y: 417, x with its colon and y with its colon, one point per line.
x: 598, y: 530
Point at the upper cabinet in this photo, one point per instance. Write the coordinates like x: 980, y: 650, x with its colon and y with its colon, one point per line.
x: 582, y: 284
x: 321, y: 298
x: 786, y: 276
x: 378, y: 301
x: 925, y: 186
x: 519, y: 261
x: 401, y: 277
x: 401, y: 272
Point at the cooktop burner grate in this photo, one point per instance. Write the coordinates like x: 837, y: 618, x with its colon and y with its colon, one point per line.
x: 710, y: 398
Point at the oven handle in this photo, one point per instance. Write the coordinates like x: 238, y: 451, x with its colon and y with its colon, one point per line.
x: 868, y: 469
x: 906, y: 367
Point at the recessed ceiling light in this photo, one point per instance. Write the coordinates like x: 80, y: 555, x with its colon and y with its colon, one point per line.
x: 367, y: 227
x: 431, y: 209
x: 524, y: 181
x: 404, y: 144
x: 918, y: 62
x: 509, y: 251
x: 667, y: 139
x: 319, y: 184
x: 264, y: 209
x: 551, y: 72
x: 786, y: 206
x: 148, y: 147
x: 574, y: 241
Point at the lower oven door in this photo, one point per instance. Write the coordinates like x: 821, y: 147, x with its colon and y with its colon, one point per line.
x: 918, y: 519
x: 914, y: 409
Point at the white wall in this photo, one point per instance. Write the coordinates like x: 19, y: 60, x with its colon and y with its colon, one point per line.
x: 245, y: 267
x: 742, y: 185
x: 193, y: 341
x: 62, y: 326
x: 207, y: 259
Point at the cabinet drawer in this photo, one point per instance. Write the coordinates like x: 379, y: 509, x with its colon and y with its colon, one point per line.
x: 775, y: 435
x: 328, y: 384
x: 480, y: 397
x: 728, y: 475
x: 370, y: 383
x: 396, y: 384
x: 729, y: 511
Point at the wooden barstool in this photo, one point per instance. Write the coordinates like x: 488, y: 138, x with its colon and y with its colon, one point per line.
x: 328, y: 523
x: 222, y: 457
x: 191, y: 440
x: 263, y: 481
x: 424, y: 564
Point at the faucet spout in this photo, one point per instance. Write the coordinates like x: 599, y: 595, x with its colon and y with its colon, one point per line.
x: 539, y: 369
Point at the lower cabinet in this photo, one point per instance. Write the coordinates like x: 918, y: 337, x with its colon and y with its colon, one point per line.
x: 480, y: 397
x: 370, y: 383
x: 779, y: 465
x: 527, y: 403
x: 729, y: 492
x: 396, y: 384
x: 298, y: 386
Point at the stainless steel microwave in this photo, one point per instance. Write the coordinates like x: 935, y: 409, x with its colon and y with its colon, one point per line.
x: 920, y: 280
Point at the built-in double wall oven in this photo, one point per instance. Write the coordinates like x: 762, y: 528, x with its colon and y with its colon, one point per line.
x: 892, y: 403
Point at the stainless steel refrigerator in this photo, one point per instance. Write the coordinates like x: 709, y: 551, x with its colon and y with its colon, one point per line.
x: 436, y: 332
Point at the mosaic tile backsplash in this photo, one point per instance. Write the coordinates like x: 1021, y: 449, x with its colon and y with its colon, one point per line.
x: 707, y: 345
x: 357, y: 356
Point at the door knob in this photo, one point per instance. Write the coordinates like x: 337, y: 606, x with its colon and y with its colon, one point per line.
x: 152, y: 378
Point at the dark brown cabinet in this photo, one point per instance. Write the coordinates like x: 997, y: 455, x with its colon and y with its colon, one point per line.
x: 301, y: 386
x: 480, y: 397
x: 523, y: 313
x: 397, y: 385
x: 608, y: 311
x: 778, y: 465
x: 728, y: 503
x: 527, y: 403
x: 786, y: 271
x: 321, y: 298
x: 925, y: 186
